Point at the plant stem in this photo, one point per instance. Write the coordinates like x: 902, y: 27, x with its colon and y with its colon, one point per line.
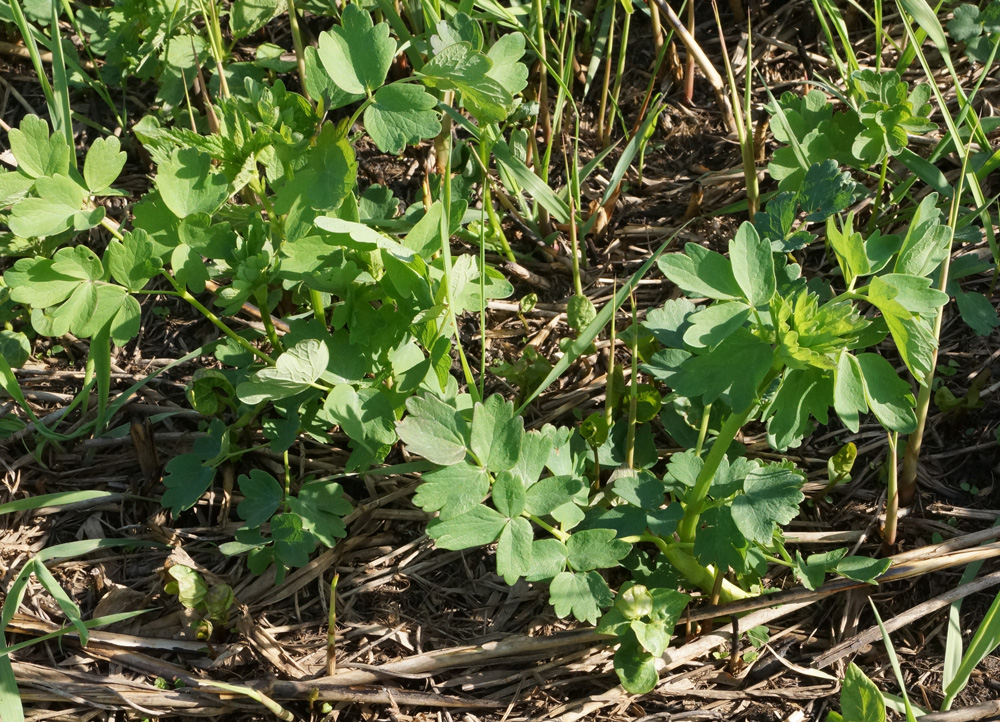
x: 265, y: 315
x: 891, y: 497
x: 602, y: 132
x: 878, y: 194
x: 633, y: 402
x: 331, y: 629
x: 319, y: 311
x: 688, y: 527
x: 300, y: 56
x: 446, y: 258
x: 703, y: 429
x: 908, y: 481
x: 184, y: 294
x: 557, y: 533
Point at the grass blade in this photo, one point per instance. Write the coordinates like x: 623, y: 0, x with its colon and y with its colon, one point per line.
x: 894, y: 661
x: 60, y: 80
x: 57, y: 499
x: 587, y: 336
x: 985, y: 640
x: 10, y: 699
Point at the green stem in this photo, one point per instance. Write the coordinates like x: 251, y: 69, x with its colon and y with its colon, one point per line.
x: 703, y: 429
x: 446, y: 257
x: 265, y: 314
x: 300, y: 55
x: 319, y: 311
x: 557, y: 533
x: 696, y: 497
x: 633, y: 402
x: 878, y: 194
x: 217, y: 322
x: 891, y: 497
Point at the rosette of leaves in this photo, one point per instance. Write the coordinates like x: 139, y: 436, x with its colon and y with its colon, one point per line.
x: 889, y: 110
x: 811, y: 132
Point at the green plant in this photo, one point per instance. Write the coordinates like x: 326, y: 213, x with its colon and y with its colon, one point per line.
x: 371, y: 314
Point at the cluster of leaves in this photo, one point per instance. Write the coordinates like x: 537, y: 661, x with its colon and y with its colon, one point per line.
x: 875, y: 126
x: 978, y: 28
x: 367, y: 297
x: 210, y: 604
x: 529, y: 492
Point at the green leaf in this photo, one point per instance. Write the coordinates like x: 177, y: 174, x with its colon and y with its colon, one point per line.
x: 653, y: 636
x: 505, y: 54
x: 826, y: 190
x: 459, y: 67
x: 966, y: 23
x: 249, y: 16
x: 357, y: 54
x: 187, y: 584
x: 453, y: 490
x: 189, y: 475
x: 15, y: 348
x: 753, y: 265
x: 434, y: 430
x: 772, y: 496
x: 131, y: 261
x: 580, y: 312
x: 860, y: 699
x: 849, y: 391
x: 803, y: 393
x: 189, y: 184
x: 635, y: 667
x: 327, y: 178
x: 719, y: 541
x: 669, y: 322
x: 189, y: 267
x: 292, y: 543
x: 701, y: 272
x: 508, y: 495
x: 296, y: 370
x: 496, y: 434
x: 977, y: 312
x: 321, y: 86
x: 812, y: 571
x: 38, y: 154
x: 474, y: 528
x: 322, y: 507
x: 548, y: 558
x: 715, y: 323
x: 57, y: 208
x: 535, y: 450
x: 890, y: 397
x: 863, y: 569
x: 712, y: 374
x: 582, y: 595
x: 641, y: 489
x: 262, y: 494
x: 550, y: 493
x: 401, y: 114
x: 514, y: 550
x: 103, y: 163
x: 596, y: 549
